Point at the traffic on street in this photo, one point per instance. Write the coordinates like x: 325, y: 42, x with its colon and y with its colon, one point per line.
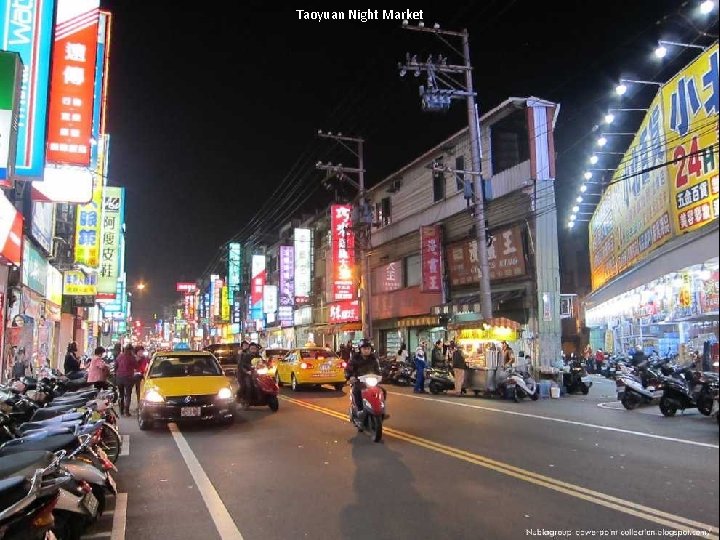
x: 271, y: 273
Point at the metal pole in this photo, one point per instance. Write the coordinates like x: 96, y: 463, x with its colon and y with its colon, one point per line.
x: 364, y: 255
x: 485, y: 291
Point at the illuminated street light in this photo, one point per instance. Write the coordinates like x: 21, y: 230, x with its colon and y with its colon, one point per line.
x: 620, y: 89
x: 609, y: 117
x: 571, y: 224
x: 576, y: 209
x: 661, y: 51
x: 602, y: 141
x: 579, y: 199
x: 587, y: 175
x: 583, y: 188
x: 593, y: 160
x: 707, y: 6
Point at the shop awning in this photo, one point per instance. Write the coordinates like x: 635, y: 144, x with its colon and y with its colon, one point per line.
x: 471, y: 304
x: 330, y: 329
x: 494, y: 322
x: 418, y: 321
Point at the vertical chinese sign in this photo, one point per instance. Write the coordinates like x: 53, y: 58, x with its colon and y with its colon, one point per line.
x: 287, y: 285
x: 112, y: 219
x: 73, y: 82
x: 234, y: 281
x: 87, y: 228
x: 303, y: 264
x: 257, y: 284
x: 343, y: 252
x: 431, y: 258
x: 26, y: 28
x: 11, y: 70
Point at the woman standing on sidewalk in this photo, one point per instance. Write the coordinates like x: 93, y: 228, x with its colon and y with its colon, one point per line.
x: 98, y: 371
x: 125, y: 367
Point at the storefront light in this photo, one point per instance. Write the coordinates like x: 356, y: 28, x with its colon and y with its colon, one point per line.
x: 704, y: 274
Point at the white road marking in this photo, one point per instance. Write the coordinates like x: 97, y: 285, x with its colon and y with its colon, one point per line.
x: 119, y: 517
x: 562, y: 421
x: 218, y: 512
x: 125, y: 445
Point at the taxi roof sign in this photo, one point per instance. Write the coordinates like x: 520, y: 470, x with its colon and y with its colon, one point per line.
x: 181, y: 347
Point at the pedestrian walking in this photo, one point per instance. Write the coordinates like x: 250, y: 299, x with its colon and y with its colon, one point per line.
x: 72, y: 362
x: 420, y: 364
x: 437, y: 359
x: 588, y: 356
x: 459, y: 366
x: 507, y: 355
x: 98, y: 370
x: 125, y: 367
x: 599, y: 360
x: 402, y: 354
x: 142, y: 363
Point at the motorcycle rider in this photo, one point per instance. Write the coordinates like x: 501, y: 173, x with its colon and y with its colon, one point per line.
x: 362, y: 363
x: 244, y: 372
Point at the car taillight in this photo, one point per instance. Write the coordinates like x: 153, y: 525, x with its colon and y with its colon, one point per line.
x: 306, y: 365
x: 343, y: 364
x: 45, y: 515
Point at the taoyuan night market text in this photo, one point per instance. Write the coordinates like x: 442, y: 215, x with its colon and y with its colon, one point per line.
x: 362, y: 15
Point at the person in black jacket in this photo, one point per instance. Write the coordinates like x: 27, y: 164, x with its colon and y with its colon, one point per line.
x: 72, y: 362
x: 362, y: 363
x: 244, y: 371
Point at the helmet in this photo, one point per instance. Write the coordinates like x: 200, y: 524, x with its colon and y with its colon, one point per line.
x: 365, y: 343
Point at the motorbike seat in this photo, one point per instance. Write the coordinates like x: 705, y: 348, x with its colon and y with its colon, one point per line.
x: 48, y: 425
x: 43, y: 433
x: 12, y: 464
x: 12, y: 490
x: 52, y: 443
x: 50, y: 412
x: 67, y: 417
x: 68, y: 396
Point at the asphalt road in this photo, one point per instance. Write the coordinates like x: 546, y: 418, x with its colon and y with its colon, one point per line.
x: 448, y: 468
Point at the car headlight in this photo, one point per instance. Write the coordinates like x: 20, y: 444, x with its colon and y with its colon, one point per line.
x: 225, y: 393
x: 153, y: 396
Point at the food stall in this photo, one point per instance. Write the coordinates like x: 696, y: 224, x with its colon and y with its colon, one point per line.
x: 480, y: 342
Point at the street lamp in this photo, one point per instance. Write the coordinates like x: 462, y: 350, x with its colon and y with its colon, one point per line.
x: 621, y: 88
x: 707, y: 6
x: 140, y: 286
x: 661, y: 50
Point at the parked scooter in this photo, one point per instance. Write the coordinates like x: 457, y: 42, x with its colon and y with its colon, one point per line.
x: 520, y: 385
x: 370, y: 417
x: 688, y: 390
x: 575, y: 378
x: 28, y: 504
x: 264, y: 389
x: 441, y: 380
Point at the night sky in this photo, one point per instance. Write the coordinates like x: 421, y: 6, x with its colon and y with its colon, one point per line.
x: 209, y: 113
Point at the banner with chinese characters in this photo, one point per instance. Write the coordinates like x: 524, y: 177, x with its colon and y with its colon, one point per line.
x: 77, y: 283
x: 258, y: 274
x: 431, y: 258
x: 270, y: 299
x: 112, y: 220
x: 346, y: 311
x: 73, y: 82
x: 11, y: 70
x: 343, y: 252
x: 225, y: 308
x: 102, y: 59
x: 691, y: 128
x: 388, y: 278
x: 287, y: 285
x: 26, y: 28
x: 87, y: 227
x: 506, y: 258
x: 303, y: 264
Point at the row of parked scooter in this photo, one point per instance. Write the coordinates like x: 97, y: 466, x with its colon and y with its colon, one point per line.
x: 670, y: 386
x: 59, y: 441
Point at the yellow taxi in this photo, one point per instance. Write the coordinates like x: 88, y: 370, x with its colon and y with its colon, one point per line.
x: 311, y: 366
x: 185, y: 385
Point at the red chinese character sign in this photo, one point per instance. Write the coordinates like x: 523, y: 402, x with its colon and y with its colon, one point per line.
x: 343, y: 252
x: 342, y: 312
x: 73, y: 82
x: 431, y: 258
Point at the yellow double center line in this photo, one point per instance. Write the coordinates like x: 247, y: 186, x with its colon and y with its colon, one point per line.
x: 614, y: 503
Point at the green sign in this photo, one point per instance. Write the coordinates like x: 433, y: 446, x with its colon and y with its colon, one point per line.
x: 113, y: 211
x: 11, y: 69
x: 34, y: 269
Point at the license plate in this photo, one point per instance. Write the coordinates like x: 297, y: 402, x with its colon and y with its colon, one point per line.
x: 90, y: 503
x: 325, y: 368
x: 112, y: 483
x: 190, y: 411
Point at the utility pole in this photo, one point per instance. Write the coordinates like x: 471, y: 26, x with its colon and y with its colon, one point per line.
x: 362, y: 224
x: 437, y: 98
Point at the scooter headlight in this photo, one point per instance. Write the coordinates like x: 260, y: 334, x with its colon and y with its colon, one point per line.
x: 371, y: 381
x: 225, y: 393
x: 262, y: 371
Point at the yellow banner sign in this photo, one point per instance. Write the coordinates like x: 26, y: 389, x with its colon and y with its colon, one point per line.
x: 666, y: 183
x: 87, y: 228
x: 691, y: 127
